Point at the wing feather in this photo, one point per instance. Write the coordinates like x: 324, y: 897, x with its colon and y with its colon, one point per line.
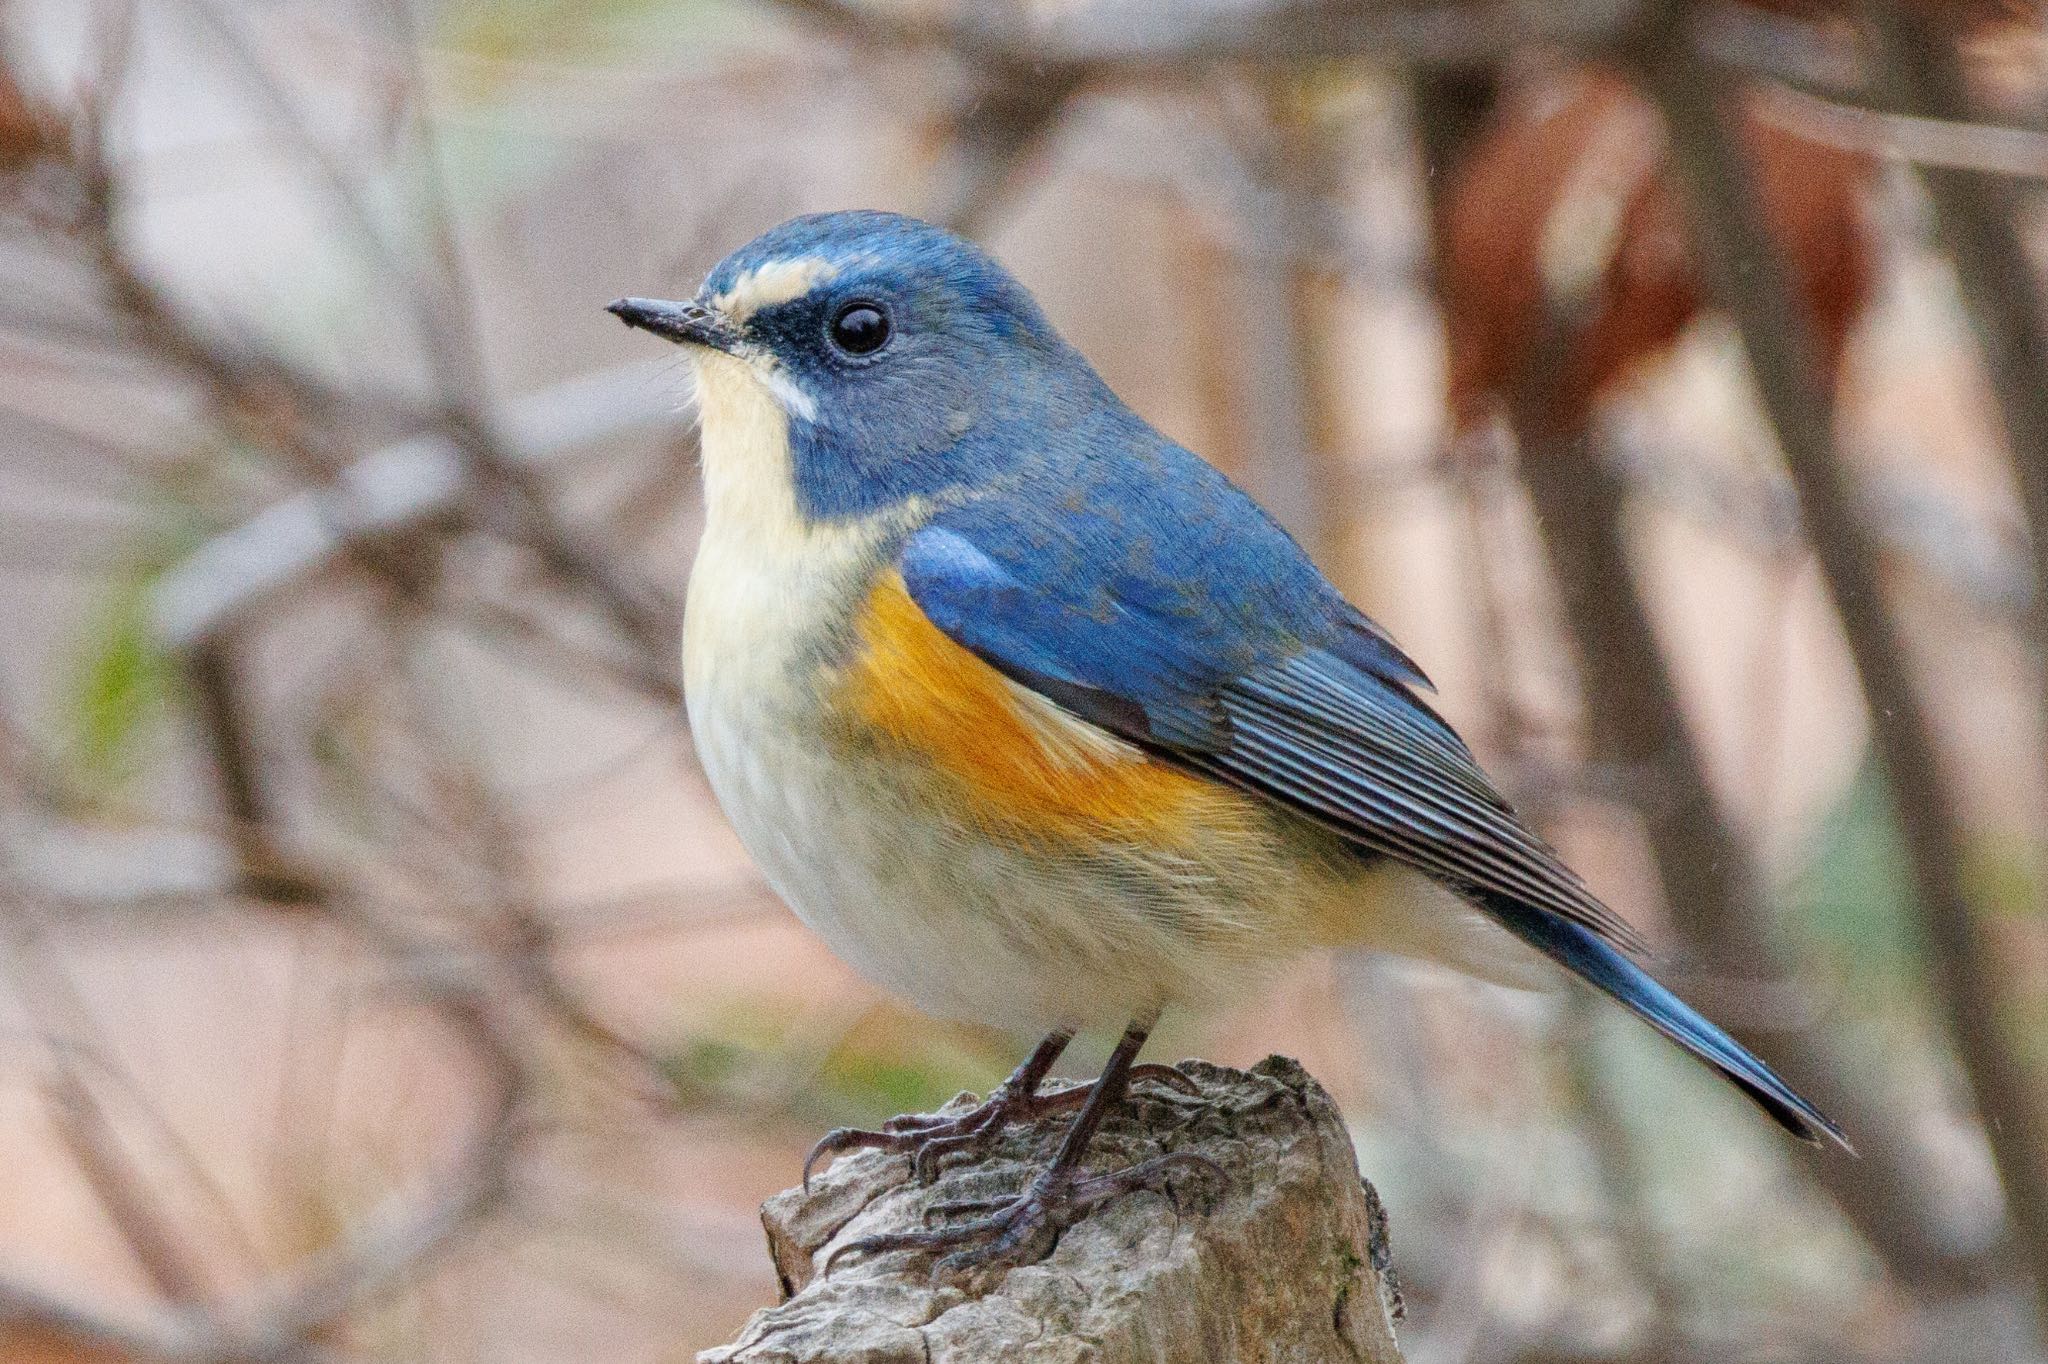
x: 1200, y: 633
x: 1469, y: 837
x: 1331, y: 727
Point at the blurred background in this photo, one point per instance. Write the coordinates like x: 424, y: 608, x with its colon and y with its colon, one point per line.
x: 378, y: 979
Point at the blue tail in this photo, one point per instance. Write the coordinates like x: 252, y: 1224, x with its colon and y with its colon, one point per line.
x: 1592, y: 960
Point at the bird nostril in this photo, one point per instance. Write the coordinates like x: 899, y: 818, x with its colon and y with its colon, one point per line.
x: 687, y: 322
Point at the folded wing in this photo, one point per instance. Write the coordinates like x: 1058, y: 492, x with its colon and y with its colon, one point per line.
x: 1321, y: 715
x: 1251, y: 670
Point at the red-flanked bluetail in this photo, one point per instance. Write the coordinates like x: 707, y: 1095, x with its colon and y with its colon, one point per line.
x: 1040, y: 721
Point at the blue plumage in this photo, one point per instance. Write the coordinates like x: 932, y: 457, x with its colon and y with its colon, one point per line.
x: 1614, y: 975
x: 1197, y: 628
x: 1043, y: 526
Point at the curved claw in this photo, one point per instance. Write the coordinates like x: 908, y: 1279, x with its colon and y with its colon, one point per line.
x: 842, y: 1139
x: 913, y: 1132
x: 924, y: 1162
x: 935, y: 1239
x: 839, y: 1253
x: 832, y: 1143
x: 932, y: 1137
x: 1026, y: 1226
x: 1146, y: 1174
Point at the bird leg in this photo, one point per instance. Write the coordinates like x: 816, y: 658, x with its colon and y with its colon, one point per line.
x: 931, y: 1137
x: 1024, y: 1228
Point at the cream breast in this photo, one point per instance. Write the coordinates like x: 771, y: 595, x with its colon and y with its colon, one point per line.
x: 869, y: 851
x: 769, y: 587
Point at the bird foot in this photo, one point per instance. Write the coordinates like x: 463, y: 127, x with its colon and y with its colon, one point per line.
x: 930, y: 1138
x: 1024, y: 1229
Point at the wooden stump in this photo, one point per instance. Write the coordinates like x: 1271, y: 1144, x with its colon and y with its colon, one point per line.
x: 1287, y: 1264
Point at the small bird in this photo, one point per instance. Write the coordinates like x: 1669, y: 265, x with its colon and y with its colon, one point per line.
x: 1039, y: 721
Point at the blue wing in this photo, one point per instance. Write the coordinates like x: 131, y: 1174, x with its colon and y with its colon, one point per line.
x: 1173, y: 612
x: 1256, y: 673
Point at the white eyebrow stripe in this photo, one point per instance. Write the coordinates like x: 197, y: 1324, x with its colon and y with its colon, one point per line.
x: 778, y: 281
x: 787, y: 391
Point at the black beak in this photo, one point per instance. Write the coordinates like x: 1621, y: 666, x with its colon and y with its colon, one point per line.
x: 690, y: 323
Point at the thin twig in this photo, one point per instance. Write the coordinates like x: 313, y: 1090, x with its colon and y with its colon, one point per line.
x: 498, y: 480
x: 1634, y: 722
x: 399, y: 1241
x: 129, y: 1200
x: 285, y: 1318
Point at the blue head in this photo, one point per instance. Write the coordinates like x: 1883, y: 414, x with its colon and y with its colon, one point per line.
x: 903, y: 361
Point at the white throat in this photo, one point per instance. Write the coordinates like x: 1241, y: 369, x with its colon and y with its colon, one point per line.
x: 770, y: 585
x: 749, y: 473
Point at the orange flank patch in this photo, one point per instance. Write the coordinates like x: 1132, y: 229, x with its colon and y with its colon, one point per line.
x: 1017, y: 761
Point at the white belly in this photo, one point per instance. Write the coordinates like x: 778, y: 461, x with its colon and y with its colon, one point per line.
x: 937, y: 912
x: 905, y: 902
x: 926, y: 906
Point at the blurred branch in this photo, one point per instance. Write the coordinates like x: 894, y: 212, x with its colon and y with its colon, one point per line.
x: 1818, y: 81
x: 1137, y: 38
x: 231, y: 38
x: 359, y: 509
x: 1006, y: 115
x: 1777, y: 46
x: 266, y: 398
x: 523, y: 637
x: 128, y: 1200
x: 521, y: 938
x: 1133, y: 35
x: 225, y: 712
x: 290, y: 1317
x: 388, y: 492
x: 1283, y: 314
x: 1594, y: 1089
x: 1977, y: 220
x: 1747, y: 276
x: 28, y: 1311
x: 123, y: 1194
x: 1712, y: 886
x: 500, y: 483
x: 1635, y: 722
x: 373, y: 1258
x: 1935, y: 143
x: 649, y: 622
x: 1910, y: 518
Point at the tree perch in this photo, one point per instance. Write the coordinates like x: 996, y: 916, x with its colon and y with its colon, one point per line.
x: 1287, y: 1264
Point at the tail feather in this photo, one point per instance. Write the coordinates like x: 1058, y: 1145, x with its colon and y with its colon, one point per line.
x: 1602, y: 966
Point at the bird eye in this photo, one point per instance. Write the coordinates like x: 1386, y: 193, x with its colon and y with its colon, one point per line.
x: 860, y: 329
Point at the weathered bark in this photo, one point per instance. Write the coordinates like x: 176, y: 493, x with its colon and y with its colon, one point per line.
x: 1287, y: 1264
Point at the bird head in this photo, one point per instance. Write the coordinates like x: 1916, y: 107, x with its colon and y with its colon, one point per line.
x: 896, y: 360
